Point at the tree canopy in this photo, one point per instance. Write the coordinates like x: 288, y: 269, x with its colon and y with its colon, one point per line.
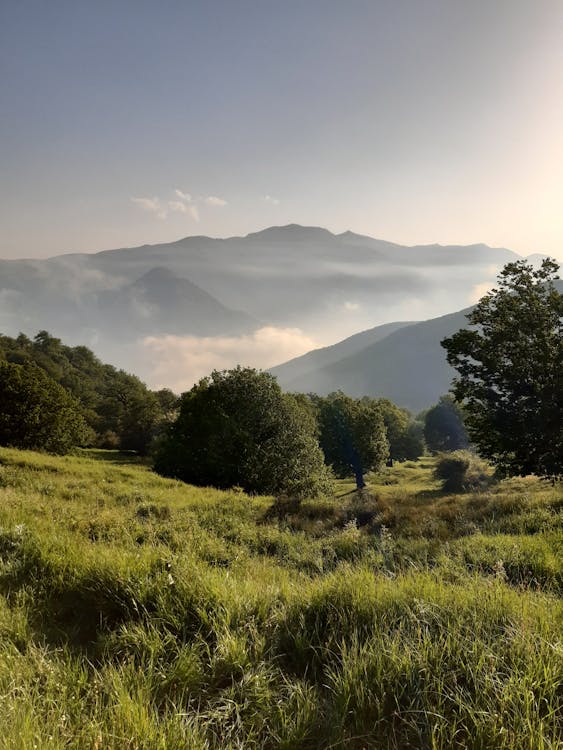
x: 237, y: 428
x: 406, y: 441
x: 510, y: 371
x: 36, y: 412
x: 352, y: 435
x: 444, y: 428
x: 119, y: 408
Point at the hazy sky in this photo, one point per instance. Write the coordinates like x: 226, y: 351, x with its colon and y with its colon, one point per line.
x: 125, y: 122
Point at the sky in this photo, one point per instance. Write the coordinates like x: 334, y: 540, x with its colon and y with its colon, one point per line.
x: 127, y: 122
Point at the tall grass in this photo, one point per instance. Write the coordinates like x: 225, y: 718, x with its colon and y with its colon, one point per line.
x: 136, y: 612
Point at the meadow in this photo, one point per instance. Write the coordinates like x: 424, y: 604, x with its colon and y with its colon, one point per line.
x: 141, y: 613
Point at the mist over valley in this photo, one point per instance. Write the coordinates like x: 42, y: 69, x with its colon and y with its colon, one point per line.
x: 173, y: 312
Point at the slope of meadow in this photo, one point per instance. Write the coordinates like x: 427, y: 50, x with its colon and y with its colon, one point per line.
x: 137, y: 612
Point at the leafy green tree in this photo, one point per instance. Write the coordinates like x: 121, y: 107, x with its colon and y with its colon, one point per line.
x: 133, y: 409
x: 36, y: 412
x: 404, y: 434
x: 510, y: 369
x: 237, y: 428
x: 352, y: 435
x: 444, y: 428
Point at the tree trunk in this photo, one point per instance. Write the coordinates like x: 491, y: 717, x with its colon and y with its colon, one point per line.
x: 359, y: 474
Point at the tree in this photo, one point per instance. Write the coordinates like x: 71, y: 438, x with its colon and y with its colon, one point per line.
x: 237, y: 428
x: 36, y: 412
x: 511, y: 371
x: 444, y: 429
x: 352, y: 435
x: 403, y: 432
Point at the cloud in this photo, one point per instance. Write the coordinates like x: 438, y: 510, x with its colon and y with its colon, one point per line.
x: 152, y: 205
x: 182, y: 208
x: 183, y: 204
x: 184, y: 196
x: 178, y: 206
x: 213, y: 200
x: 272, y: 201
x: 351, y: 306
x: 180, y: 361
x: 479, y: 290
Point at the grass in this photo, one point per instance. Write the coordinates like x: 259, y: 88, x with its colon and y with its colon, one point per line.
x: 141, y: 613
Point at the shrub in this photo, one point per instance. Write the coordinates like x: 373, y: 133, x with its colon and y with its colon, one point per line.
x: 460, y: 471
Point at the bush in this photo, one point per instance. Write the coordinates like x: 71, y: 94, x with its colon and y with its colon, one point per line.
x: 461, y: 471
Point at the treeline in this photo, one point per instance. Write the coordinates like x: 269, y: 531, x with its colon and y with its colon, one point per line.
x: 237, y: 428
x: 117, y: 409
x: 233, y: 428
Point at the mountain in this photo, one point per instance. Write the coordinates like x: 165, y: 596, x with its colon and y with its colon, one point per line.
x: 311, y: 362
x: 161, y: 302
x: 327, y: 285
x: 407, y: 366
x: 403, y: 362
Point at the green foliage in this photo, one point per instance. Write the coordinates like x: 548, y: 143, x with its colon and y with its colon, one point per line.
x: 510, y: 369
x: 406, y: 441
x: 444, y: 428
x: 117, y: 406
x: 461, y: 471
x: 352, y: 435
x: 237, y: 428
x: 36, y: 412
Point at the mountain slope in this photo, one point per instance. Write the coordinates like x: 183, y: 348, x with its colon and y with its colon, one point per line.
x: 300, y: 367
x: 407, y: 366
x: 159, y: 302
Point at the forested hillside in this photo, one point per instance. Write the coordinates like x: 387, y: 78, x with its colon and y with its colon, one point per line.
x: 118, y: 407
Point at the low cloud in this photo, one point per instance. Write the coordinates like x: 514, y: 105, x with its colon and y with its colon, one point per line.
x: 351, y: 306
x: 178, y: 206
x: 213, y: 200
x: 479, y: 290
x: 183, y: 360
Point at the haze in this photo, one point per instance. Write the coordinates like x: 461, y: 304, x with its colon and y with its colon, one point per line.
x: 136, y: 122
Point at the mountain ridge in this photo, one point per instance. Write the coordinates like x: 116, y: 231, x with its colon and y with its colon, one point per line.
x: 327, y: 285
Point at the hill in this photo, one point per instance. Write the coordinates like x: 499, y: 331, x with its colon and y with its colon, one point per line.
x: 138, y: 612
x: 309, y: 363
x: 117, y: 406
x: 407, y: 366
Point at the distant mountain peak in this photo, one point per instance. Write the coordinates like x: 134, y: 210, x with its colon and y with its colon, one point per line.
x: 158, y: 273
x: 293, y: 232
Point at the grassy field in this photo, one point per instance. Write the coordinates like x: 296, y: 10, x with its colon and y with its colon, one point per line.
x: 137, y: 612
